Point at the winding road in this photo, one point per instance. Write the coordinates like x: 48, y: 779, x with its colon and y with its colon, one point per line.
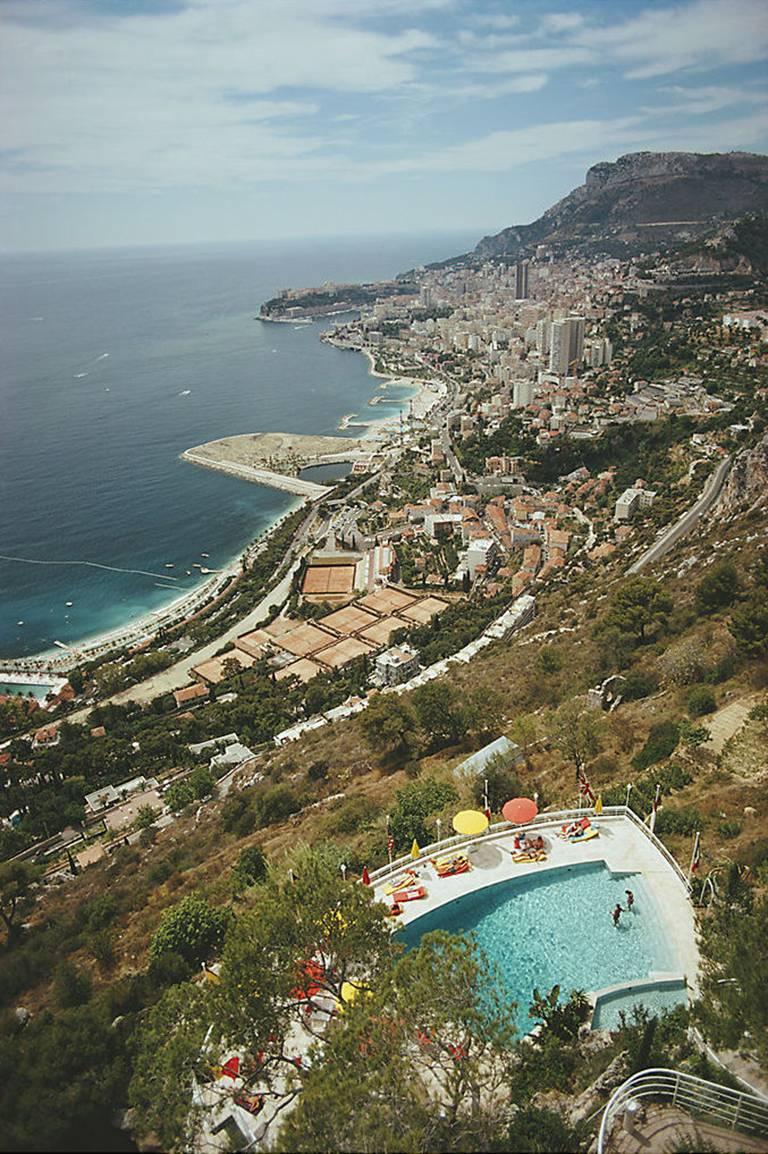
x: 687, y: 521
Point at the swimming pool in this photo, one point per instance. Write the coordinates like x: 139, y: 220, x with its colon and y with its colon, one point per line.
x: 556, y: 928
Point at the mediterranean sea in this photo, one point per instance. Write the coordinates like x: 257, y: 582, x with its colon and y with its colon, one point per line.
x: 112, y: 362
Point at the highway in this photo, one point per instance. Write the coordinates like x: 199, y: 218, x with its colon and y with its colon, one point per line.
x: 687, y: 521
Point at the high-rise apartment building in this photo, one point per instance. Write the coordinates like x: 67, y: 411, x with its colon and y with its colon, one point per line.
x: 566, y: 346
x: 521, y: 280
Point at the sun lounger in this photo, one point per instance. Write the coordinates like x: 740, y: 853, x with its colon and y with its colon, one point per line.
x: 447, y: 867
x: 529, y: 855
x: 411, y: 895
x: 402, y: 883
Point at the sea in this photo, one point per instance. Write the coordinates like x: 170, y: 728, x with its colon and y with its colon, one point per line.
x: 112, y: 362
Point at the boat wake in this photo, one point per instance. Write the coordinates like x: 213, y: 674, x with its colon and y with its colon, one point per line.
x: 89, y: 564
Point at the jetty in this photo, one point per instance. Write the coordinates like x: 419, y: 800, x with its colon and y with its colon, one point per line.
x: 276, y: 459
x: 307, y: 489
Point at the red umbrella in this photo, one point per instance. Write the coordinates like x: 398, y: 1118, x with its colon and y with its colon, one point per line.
x: 519, y: 810
x: 366, y: 877
x: 231, y: 1068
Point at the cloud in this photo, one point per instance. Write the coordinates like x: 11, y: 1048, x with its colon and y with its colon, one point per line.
x: 555, y: 22
x: 704, y: 34
x: 595, y: 140
x: 699, y: 101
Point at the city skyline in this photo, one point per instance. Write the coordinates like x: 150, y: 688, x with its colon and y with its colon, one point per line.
x: 171, y: 121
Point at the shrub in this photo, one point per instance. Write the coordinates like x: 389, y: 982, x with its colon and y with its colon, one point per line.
x: 503, y: 783
x: 251, y: 868
x: 238, y: 815
x: 639, y: 683
x: 193, y: 929
x: 729, y: 829
x: 413, y: 804
x: 679, y: 821
x: 718, y: 588
x: 661, y: 742
x: 318, y: 771
x: 276, y: 804
x: 350, y: 816
x: 71, y: 987
x: 701, y: 700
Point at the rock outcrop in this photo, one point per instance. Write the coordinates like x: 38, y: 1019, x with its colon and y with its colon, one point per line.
x: 642, y: 202
x: 747, y: 485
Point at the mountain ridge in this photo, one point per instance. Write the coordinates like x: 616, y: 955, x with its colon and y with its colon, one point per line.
x: 641, y: 202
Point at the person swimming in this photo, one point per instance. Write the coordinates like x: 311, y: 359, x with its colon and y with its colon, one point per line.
x: 617, y: 912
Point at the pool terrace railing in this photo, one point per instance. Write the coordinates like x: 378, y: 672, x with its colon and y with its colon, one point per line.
x: 542, y: 821
x: 716, y: 1105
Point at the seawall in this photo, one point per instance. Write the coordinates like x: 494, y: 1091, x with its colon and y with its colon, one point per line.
x: 307, y: 489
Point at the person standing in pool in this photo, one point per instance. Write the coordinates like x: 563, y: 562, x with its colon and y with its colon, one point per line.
x: 617, y: 912
x: 630, y: 900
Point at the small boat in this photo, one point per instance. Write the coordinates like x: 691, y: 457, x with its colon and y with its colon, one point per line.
x: 189, y: 572
x: 169, y: 565
x: 19, y: 622
x: 205, y: 554
x: 69, y: 603
x: 196, y: 565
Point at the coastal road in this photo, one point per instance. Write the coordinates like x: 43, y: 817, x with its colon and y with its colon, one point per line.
x: 688, y: 520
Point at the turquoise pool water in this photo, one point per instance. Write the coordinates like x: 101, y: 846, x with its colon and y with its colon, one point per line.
x: 661, y: 996
x: 556, y: 928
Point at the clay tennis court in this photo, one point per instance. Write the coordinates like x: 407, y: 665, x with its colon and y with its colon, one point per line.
x: 254, y: 643
x: 304, y: 669
x: 334, y: 579
x: 334, y: 656
x: 213, y: 671
x: 388, y: 600
x: 349, y: 620
x: 306, y: 639
x: 380, y: 632
x: 424, y: 611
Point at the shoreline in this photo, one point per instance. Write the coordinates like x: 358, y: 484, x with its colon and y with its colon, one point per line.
x: 144, y: 628
x: 426, y: 394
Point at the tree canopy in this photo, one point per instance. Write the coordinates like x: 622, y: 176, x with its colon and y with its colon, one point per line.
x: 638, y: 608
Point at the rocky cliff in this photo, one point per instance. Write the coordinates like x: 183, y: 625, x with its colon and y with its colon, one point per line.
x: 642, y: 202
x: 747, y: 485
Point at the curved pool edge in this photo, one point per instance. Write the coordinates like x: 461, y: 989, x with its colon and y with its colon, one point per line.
x: 623, y: 847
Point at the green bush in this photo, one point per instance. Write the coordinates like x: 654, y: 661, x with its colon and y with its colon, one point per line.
x: 414, y: 803
x: 718, y: 588
x: 701, y: 700
x: 193, y: 929
x: 71, y: 986
x: 639, y: 683
x: 275, y: 804
x: 250, y: 868
x: 729, y: 829
x: 661, y: 742
x: 679, y: 821
x: 352, y: 815
x: 238, y: 815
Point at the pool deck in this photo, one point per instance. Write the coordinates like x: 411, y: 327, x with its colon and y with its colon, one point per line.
x: 621, y: 846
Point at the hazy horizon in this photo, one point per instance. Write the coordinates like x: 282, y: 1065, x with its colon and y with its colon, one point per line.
x: 144, y: 122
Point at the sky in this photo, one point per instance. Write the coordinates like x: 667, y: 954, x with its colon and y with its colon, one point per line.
x: 126, y: 122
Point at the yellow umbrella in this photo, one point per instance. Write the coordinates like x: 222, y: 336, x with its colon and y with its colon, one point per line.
x: 415, y: 851
x: 599, y: 804
x: 350, y: 993
x: 470, y: 821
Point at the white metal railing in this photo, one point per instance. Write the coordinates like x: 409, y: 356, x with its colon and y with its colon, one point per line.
x: 718, y: 1105
x: 634, y: 817
x: 543, y: 819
